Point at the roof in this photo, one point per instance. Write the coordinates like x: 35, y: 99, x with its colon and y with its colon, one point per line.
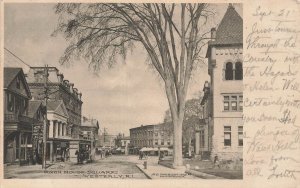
x: 10, y: 74
x: 230, y: 30
x: 142, y: 127
x: 33, y: 106
x: 53, y: 105
x: 90, y: 123
x: 58, y: 107
x: 125, y: 138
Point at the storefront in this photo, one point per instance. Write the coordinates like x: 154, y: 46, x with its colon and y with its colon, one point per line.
x: 58, y: 150
x: 80, y: 146
x: 18, y: 147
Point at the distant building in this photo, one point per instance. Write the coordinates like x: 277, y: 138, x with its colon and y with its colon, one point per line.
x: 204, y: 131
x: 89, y: 129
x: 17, y: 125
x: 225, y: 94
x: 155, y: 136
x: 122, y: 144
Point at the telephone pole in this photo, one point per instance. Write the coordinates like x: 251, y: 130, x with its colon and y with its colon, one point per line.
x: 45, y: 116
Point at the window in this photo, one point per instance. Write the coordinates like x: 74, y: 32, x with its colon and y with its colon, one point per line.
x: 10, y: 102
x: 233, y: 103
x: 233, y: 71
x: 162, y: 133
x: 226, y: 103
x: 18, y: 83
x: 240, y: 135
x: 238, y: 71
x: 229, y: 71
x: 227, y: 135
x: 156, y: 133
x: 202, y: 140
x: 162, y: 142
x: 169, y: 142
x: 241, y: 103
x: 156, y: 142
x: 25, y: 106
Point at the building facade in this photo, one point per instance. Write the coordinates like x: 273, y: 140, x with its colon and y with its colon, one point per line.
x: 89, y: 130
x: 36, y: 111
x: 151, y: 136
x: 64, y: 111
x: 225, y: 95
x: 59, y: 136
x: 122, y: 144
x: 59, y: 89
x: 204, y: 131
x: 17, y: 124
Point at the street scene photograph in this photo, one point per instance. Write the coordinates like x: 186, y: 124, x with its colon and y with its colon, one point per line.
x: 123, y: 91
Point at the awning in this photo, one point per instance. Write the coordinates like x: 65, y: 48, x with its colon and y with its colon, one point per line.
x: 164, y: 149
x: 146, y: 149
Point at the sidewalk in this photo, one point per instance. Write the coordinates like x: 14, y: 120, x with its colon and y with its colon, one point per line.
x: 161, y: 172
x: 32, y: 171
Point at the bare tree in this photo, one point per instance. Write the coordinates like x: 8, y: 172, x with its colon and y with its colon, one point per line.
x: 171, y: 34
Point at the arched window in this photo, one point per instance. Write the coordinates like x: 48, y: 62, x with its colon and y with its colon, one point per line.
x: 238, y: 71
x: 229, y: 71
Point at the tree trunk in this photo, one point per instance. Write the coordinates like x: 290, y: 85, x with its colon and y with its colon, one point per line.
x: 177, y: 143
x: 177, y: 113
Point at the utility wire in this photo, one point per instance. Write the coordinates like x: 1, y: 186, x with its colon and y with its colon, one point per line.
x: 17, y: 57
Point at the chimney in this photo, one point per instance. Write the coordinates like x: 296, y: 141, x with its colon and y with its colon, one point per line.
x: 71, y: 87
x: 66, y: 83
x: 206, y: 84
x: 213, y: 33
x: 60, y: 77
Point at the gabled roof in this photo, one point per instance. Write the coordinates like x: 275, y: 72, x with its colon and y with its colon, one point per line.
x: 230, y: 30
x: 58, y: 107
x: 33, y: 106
x: 10, y: 73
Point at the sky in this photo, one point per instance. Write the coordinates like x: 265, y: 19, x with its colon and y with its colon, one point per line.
x: 129, y: 95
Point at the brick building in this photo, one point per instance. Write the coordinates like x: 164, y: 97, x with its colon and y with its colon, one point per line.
x: 151, y: 136
x: 225, y: 93
x: 64, y: 111
x: 59, y: 89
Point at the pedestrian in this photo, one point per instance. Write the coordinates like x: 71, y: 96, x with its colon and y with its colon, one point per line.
x: 78, y: 156
x: 216, y: 161
x: 67, y: 154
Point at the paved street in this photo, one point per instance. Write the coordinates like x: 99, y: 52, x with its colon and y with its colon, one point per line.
x: 121, y: 167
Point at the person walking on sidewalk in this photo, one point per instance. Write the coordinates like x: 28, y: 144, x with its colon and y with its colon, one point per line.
x: 216, y: 161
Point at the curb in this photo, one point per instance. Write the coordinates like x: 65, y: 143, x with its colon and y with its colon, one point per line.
x: 142, y: 170
x: 202, y: 175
